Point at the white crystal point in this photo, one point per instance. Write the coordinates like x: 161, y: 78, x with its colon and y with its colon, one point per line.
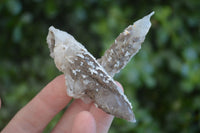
x: 151, y: 14
x: 142, y: 26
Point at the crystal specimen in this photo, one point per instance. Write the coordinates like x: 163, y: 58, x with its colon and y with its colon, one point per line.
x: 125, y: 46
x: 88, y: 78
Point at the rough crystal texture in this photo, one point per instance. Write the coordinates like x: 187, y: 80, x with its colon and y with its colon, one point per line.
x: 126, y: 45
x: 87, y: 78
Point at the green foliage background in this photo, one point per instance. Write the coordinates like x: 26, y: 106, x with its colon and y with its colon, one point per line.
x: 162, y: 81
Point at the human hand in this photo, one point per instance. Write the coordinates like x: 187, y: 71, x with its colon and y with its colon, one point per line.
x: 78, y: 118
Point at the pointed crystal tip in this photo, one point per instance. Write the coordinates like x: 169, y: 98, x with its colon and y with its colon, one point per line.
x: 134, y: 121
x: 152, y: 13
x: 132, y: 118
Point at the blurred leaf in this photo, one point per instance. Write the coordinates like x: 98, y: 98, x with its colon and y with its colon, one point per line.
x: 17, y: 34
x: 14, y: 6
x: 50, y: 8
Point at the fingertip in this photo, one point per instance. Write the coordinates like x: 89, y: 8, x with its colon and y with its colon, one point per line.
x: 60, y: 77
x: 56, y: 89
x: 58, y: 82
x: 121, y: 87
x: 84, y: 122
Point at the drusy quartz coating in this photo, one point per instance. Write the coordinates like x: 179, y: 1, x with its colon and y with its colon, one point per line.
x: 125, y: 46
x: 89, y: 79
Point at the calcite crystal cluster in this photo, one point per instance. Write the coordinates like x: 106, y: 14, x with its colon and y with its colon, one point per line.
x: 91, y: 79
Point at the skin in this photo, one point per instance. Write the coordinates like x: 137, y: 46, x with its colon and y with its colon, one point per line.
x: 78, y: 118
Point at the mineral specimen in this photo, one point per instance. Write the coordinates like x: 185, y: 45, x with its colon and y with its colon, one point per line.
x: 87, y: 78
x: 125, y: 46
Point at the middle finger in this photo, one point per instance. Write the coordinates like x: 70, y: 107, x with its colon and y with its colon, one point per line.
x: 66, y: 122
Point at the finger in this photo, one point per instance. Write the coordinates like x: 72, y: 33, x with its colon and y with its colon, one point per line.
x: 66, y: 122
x: 84, y: 123
x: 119, y: 85
x: 41, y: 109
x: 103, y: 120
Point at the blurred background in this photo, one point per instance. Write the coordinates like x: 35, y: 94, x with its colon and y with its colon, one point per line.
x: 162, y: 81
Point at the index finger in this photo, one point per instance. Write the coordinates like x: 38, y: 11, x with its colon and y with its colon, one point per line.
x: 41, y: 109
